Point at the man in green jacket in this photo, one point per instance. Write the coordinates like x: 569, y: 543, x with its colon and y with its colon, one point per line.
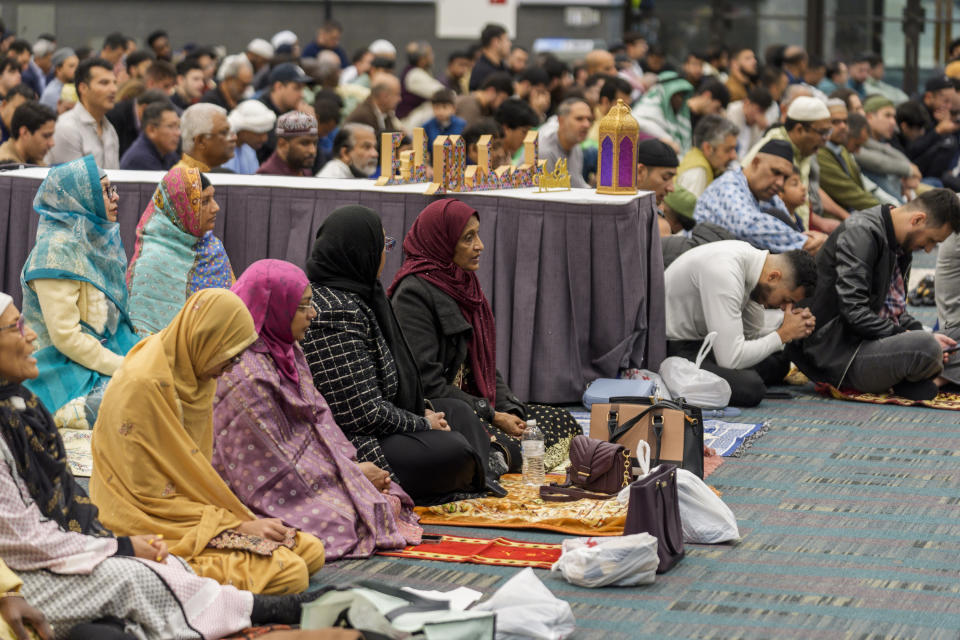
x: 839, y: 173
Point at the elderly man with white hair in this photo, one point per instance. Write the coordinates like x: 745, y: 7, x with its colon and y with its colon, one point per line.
x: 354, y: 153
x: 233, y: 78
x: 206, y: 137
x: 252, y: 121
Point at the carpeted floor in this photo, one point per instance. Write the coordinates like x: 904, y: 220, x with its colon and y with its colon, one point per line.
x: 850, y: 517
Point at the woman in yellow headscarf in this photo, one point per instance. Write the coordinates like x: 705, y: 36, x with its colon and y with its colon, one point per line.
x: 152, y: 446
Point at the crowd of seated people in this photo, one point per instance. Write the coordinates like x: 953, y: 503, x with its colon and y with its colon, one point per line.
x: 215, y: 451
x: 248, y: 429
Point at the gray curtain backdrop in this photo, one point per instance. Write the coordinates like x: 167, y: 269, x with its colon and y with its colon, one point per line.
x: 577, y: 289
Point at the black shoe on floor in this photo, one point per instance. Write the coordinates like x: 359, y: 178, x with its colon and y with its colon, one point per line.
x: 922, y: 390
x: 495, y: 488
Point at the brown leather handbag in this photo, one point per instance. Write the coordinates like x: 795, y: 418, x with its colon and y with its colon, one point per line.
x: 598, y: 470
x: 672, y: 428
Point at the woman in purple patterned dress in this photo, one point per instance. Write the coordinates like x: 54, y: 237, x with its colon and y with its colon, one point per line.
x: 276, y: 443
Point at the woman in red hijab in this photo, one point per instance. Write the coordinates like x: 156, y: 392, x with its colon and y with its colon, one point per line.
x: 450, y: 328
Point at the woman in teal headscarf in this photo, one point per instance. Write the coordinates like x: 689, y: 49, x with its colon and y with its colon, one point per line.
x: 74, y: 294
x: 176, y: 253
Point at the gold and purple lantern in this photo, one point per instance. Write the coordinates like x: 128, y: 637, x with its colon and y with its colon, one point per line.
x: 617, y: 157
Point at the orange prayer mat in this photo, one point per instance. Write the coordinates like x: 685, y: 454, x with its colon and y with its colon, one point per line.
x: 949, y: 401
x: 523, y: 508
x: 504, y: 552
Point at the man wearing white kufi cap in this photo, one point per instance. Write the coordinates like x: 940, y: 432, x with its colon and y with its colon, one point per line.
x: 807, y: 129
x: 285, y: 38
x: 252, y: 121
x: 383, y: 49
x: 260, y: 53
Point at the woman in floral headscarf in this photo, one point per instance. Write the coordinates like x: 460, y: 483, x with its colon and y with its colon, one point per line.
x: 74, y: 292
x: 176, y: 253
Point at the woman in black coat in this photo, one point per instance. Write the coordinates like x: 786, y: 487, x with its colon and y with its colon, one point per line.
x: 447, y: 320
x: 363, y: 367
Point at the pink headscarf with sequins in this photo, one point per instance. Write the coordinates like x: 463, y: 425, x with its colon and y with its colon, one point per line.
x: 272, y: 290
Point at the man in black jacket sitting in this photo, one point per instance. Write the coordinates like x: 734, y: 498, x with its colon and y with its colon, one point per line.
x: 865, y: 338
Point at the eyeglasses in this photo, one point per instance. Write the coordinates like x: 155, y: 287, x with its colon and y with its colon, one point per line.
x: 110, y: 191
x: 305, y: 307
x: 18, y: 325
x: 389, y: 243
x: 823, y: 133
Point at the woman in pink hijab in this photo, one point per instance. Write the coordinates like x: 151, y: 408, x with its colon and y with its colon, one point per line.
x: 276, y: 443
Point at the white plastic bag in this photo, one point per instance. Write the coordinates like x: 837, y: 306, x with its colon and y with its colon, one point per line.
x: 706, y: 519
x: 620, y: 561
x: 525, y: 608
x: 687, y: 380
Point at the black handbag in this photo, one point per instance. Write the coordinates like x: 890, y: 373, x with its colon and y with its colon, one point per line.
x: 655, y: 509
x: 672, y: 428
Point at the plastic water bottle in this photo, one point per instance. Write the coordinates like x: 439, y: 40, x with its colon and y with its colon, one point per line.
x: 533, y: 454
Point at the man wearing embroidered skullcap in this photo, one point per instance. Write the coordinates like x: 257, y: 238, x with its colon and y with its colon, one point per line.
x: 252, y: 121
x: 807, y: 128
x: 296, y: 146
x: 745, y: 201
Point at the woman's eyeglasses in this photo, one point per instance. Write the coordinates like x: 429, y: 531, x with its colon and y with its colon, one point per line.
x: 110, y: 191
x: 18, y: 325
x: 389, y: 243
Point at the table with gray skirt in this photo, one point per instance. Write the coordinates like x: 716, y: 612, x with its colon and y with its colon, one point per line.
x: 575, y: 278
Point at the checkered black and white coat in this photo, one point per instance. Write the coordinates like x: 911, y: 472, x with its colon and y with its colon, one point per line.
x: 353, y: 368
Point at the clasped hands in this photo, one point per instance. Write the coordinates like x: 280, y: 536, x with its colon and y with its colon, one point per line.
x: 798, y: 323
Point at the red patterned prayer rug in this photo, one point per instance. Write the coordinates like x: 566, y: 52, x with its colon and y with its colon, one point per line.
x: 503, y: 552
x: 950, y: 401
